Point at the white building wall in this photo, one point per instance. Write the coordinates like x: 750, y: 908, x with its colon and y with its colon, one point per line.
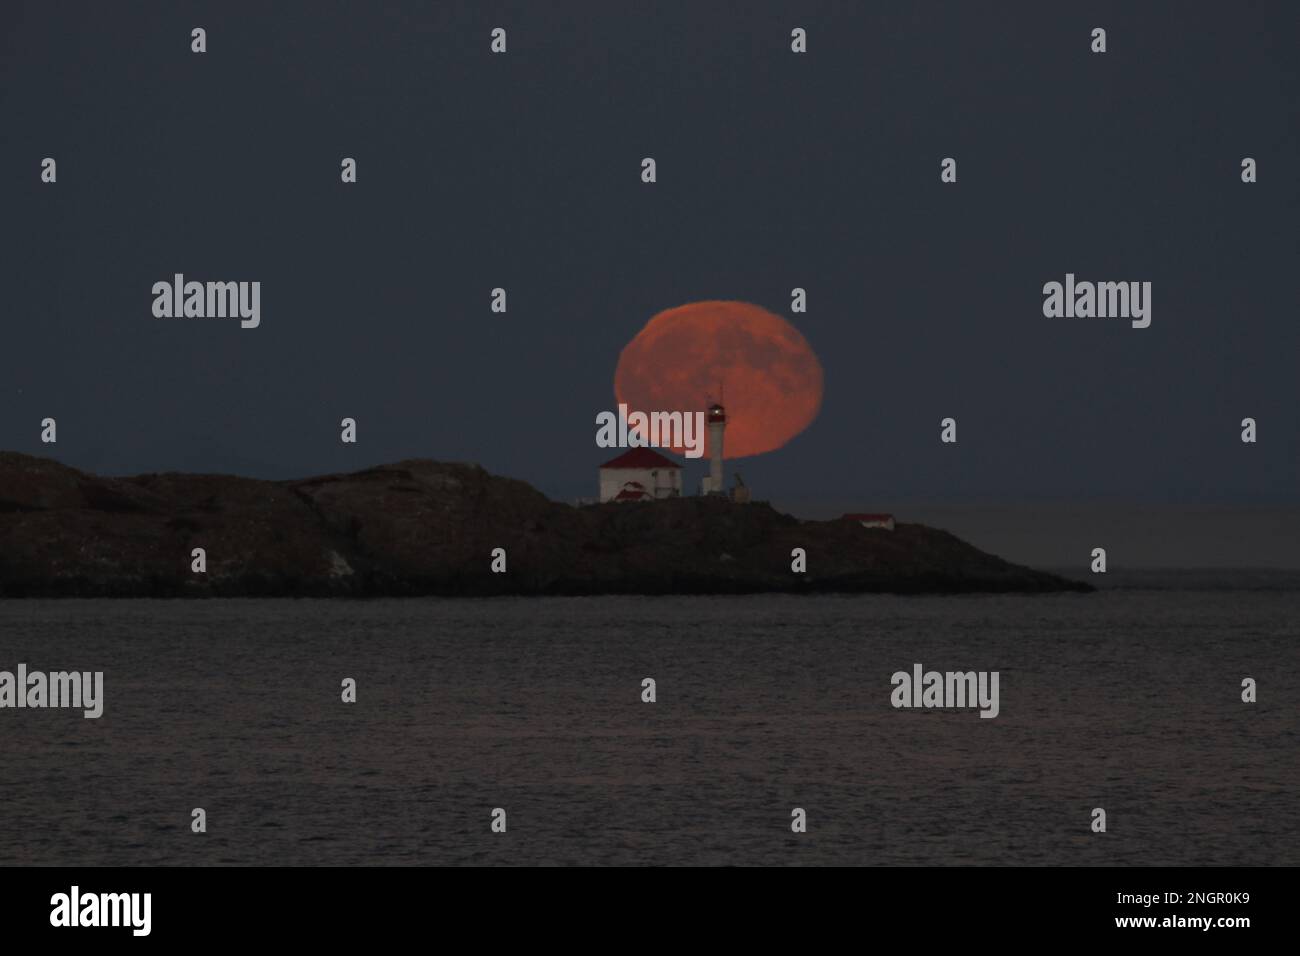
x: 717, y: 483
x: 886, y: 523
x: 668, y: 482
x: 659, y: 482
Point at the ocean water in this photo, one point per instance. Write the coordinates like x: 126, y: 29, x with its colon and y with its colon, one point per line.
x: 1127, y: 700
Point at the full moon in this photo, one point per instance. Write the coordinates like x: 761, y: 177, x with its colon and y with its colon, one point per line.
x: 753, y: 361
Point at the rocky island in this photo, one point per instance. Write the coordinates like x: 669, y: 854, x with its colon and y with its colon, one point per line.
x: 430, y: 528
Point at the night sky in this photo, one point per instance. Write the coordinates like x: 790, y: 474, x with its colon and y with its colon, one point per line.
x: 775, y: 170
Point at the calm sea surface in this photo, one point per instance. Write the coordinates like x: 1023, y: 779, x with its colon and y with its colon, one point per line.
x: 1127, y: 700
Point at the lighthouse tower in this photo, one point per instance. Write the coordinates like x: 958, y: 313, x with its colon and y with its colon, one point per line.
x: 714, y: 484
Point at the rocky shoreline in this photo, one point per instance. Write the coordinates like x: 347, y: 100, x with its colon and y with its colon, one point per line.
x: 428, y: 528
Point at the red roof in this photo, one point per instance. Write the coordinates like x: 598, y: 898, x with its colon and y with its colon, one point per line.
x: 627, y: 494
x: 640, y: 458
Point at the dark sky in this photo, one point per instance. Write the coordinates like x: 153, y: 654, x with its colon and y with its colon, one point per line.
x: 775, y: 170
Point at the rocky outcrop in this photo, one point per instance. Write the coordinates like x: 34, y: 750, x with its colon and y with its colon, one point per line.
x: 423, y: 527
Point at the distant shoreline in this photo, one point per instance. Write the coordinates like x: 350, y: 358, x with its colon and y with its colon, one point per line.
x: 1188, y: 579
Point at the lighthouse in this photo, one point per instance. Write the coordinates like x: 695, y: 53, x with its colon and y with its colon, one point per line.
x: 713, y: 483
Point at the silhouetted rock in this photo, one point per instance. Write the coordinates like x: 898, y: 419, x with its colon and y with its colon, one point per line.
x: 424, y: 527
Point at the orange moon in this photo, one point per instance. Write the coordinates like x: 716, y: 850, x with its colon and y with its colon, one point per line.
x: 771, y: 381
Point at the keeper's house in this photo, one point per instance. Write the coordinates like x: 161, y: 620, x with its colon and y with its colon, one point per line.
x: 872, y: 520
x: 640, y: 474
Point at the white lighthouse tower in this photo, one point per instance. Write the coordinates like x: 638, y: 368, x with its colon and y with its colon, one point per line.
x: 714, y: 483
